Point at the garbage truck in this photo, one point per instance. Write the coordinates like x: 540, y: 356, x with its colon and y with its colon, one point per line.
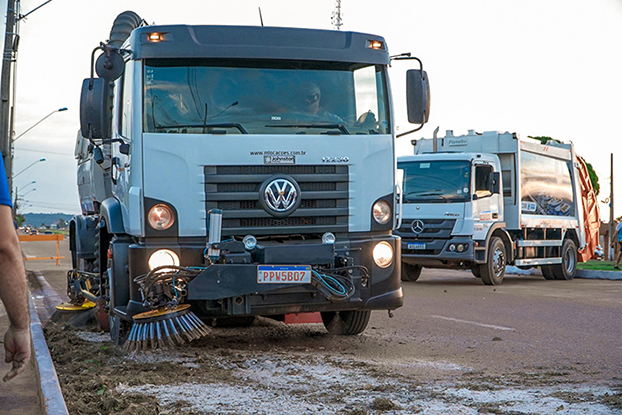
x: 482, y: 201
x: 234, y: 172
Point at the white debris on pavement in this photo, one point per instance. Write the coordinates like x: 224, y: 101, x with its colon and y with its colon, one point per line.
x: 315, y: 384
x: 93, y: 337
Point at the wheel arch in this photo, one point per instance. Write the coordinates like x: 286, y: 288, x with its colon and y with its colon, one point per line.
x: 498, y: 230
x: 82, y: 236
x: 113, y: 217
x: 572, y: 234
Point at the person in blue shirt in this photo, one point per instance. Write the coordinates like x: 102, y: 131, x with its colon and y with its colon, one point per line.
x: 13, y: 291
x: 617, y: 236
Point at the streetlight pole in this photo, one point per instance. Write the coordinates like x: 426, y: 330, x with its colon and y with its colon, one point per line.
x: 26, y: 185
x: 39, y: 122
x: 7, y: 100
x: 38, y: 161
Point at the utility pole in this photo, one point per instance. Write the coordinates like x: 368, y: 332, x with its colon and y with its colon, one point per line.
x: 5, y: 90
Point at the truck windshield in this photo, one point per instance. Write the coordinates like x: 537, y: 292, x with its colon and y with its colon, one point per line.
x: 264, y: 97
x: 436, y: 181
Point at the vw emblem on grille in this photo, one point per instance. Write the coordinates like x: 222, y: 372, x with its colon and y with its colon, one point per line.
x: 280, y: 196
x: 417, y: 226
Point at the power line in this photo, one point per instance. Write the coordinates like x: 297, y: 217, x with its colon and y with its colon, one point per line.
x: 45, y: 152
x: 52, y: 205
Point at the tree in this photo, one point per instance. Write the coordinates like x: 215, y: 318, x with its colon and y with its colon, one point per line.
x: 593, y: 176
x: 20, y: 219
x: 544, y: 139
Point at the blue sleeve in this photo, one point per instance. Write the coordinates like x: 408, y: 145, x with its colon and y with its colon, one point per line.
x: 5, y: 198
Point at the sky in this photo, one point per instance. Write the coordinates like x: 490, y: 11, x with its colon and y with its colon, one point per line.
x: 538, y: 68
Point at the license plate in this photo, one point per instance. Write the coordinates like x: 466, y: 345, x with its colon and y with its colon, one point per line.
x: 283, y: 274
x: 416, y: 245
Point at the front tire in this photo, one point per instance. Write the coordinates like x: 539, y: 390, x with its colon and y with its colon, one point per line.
x: 547, y: 272
x: 410, y: 272
x: 493, y: 270
x: 567, y: 270
x: 475, y: 272
x: 347, y: 323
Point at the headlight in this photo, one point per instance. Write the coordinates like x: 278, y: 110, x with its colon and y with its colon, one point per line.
x: 250, y: 242
x: 161, y: 217
x: 382, y: 212
x: 163, y: 257
x: 328, y: 238
x: 383, y: 254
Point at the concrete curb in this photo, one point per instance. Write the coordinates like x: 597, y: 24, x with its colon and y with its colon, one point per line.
x: 599, y: 275
x: 52, y: 401
x: 50, y: 297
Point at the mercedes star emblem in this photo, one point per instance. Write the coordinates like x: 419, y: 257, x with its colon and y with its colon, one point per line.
x: 417, y: 226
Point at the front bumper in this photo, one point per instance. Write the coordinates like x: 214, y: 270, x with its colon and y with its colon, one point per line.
x: 232, y: 288
x: 436, y: 253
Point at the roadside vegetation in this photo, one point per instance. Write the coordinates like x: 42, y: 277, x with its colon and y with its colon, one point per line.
x: 597, y: 266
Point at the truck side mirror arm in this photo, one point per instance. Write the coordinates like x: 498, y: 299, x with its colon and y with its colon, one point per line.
x: 417, y: 94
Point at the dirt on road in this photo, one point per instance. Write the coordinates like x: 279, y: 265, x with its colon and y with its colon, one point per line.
x: 273, y: 368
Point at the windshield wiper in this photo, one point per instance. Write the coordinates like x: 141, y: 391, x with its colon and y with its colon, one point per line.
x: 423, y: 193
x: 206, y: 126
x: 342, y: 128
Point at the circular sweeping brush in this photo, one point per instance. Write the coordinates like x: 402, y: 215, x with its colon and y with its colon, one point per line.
x: 165, y: 327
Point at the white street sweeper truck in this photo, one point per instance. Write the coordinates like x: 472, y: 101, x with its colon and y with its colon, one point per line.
x: 234, y: 172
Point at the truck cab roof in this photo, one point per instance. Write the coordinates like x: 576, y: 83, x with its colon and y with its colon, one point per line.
x: 257, y: 42
x: 448, y: 156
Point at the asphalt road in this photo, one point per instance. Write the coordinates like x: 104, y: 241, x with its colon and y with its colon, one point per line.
x: 526, y: 323
x: 450, y: 318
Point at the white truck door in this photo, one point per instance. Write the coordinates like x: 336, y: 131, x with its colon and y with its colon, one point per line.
x: 486, y: 204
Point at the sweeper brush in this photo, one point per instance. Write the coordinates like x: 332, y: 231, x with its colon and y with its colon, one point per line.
x: 165, y: 327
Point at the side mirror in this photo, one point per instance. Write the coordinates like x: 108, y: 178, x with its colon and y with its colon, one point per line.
x: 110, y: 65
x: 495, y: 185
x: 95, y: 116
x: 417, y: 96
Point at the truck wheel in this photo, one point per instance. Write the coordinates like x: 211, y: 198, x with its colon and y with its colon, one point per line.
x: 410, y: 272
x: 547, y: 272
x: 568, y: 268
x: 346, y: 322
x: 475, y: 271
x: 492, y: 272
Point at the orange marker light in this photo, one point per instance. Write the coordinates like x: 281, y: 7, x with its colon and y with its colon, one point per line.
x: 375, y: 44
x: 154, y: 37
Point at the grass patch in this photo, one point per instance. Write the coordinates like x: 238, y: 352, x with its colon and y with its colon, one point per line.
x: 596, y: 266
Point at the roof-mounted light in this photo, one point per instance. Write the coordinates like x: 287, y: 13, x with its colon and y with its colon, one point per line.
x: 375, y: 44
x: 155, y: 37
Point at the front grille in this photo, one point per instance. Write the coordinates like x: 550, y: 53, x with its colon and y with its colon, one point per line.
x: 267, y: 222
x: 432, y: 229
x: 253, y: 204
x: 235, y: 190
x: 435, y: 233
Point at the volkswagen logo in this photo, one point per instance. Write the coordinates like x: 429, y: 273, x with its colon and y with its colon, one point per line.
x: 417, y: 226
x: 280, y: 196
